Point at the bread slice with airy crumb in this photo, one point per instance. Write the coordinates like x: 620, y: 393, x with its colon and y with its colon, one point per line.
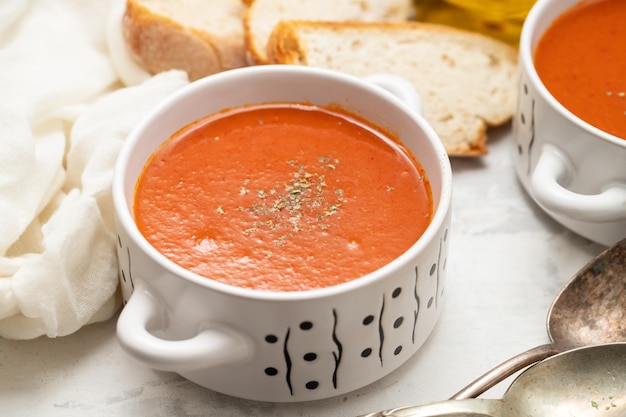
x: 262, y: 15
x: 467, y: 82
x: 201, y: 37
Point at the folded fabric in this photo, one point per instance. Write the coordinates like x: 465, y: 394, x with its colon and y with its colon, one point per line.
x: 69, y: 96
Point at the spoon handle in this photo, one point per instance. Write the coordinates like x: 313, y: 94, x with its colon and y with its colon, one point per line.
x: 471, y: 406
x: 506, y: 369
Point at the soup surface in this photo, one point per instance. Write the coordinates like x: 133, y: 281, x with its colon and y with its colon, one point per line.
x: 581, y: 59
x: 282, y: 197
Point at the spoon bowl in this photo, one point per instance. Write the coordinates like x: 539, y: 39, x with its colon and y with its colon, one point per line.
x: 587, y: 381
x: 589, y: 310
x: 581, y: 382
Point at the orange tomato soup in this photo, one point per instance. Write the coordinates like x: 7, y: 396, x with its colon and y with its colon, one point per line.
x: 282, y: 197
x: 581, y: 60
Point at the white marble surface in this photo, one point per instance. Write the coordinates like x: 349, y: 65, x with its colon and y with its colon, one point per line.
x: 507, y: 261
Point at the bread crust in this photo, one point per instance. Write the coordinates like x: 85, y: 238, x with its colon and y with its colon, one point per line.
x: 160, y: 43
x: 261, y: 17
x: 458, y: 108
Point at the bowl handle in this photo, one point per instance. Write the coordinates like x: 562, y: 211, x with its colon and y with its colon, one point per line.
x: 212, y: 345
x: 553, y: 169
x: 399, y: 87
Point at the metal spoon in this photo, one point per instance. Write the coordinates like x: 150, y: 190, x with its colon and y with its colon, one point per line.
x: 588, y: 381
x: 589, y: 310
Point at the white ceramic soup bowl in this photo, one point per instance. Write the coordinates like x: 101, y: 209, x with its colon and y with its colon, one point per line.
x: 574, y: 171
x: 281, y: 346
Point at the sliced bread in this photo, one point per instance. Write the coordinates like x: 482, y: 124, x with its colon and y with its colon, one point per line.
x: 262, y: 15
x: 467, y: 81
x: 201, y: 37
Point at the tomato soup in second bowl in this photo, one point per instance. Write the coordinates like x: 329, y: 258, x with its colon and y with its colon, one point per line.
x: 282, y: 197
x: 581, y: 59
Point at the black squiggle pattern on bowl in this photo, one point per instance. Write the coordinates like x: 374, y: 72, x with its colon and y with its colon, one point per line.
x: 532, y: 134
x: 288, y: 363
x: 130, y: 271
x: 436, y: 269
x: 523, y: 91
x: 442, y: 263
x: 417, y: 305
x: 127, y: 279
x: 337, y: 355
x: 381, y: 331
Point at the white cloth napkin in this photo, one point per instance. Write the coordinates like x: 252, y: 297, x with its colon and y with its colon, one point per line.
x: 69, y: 95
